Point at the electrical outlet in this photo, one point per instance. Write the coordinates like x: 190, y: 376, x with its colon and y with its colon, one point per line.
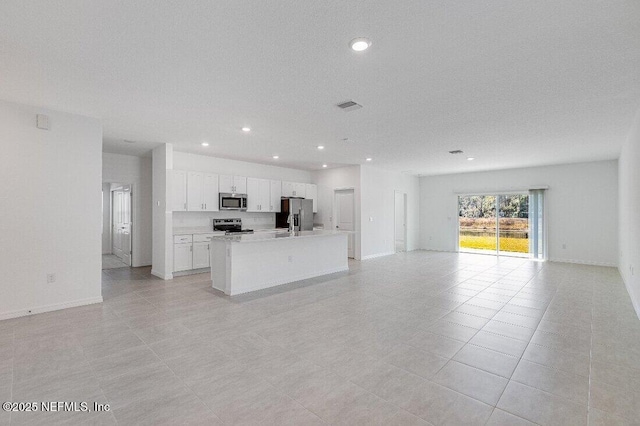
x: 290, y: 259
x: 51, y: 278
x: 631, y: 269
x: 564, y: 246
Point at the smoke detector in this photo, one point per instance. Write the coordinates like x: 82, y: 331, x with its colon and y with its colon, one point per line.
x: 349, y: 106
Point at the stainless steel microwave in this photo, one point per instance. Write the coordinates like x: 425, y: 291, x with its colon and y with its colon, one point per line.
x: 233, y: 201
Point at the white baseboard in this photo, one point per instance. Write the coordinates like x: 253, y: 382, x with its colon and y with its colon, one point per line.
x: 288, y: 280
x: 49, y: 308
x: 161, y: 275
x: 373, y: 256
x: 583, y: 262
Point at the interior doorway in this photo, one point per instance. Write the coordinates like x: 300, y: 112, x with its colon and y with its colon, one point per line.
x: 400, y: 207
x: 344, y: 205
x: 117, y: 225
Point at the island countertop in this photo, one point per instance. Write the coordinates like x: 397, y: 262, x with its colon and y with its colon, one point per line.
x: 270, y: 236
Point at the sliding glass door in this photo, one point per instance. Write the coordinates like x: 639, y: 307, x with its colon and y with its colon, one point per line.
x: 478, y: 226
x: 502, y: 224
x: 513, y: 224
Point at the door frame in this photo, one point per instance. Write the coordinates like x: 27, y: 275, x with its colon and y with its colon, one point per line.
x: 334, y: 216
x: 132, y: 215
x: 395, y: 219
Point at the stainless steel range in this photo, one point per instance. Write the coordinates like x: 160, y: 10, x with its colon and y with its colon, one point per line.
x: 230, y: 226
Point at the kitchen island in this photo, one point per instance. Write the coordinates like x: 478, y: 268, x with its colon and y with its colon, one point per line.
x: 249, y: 262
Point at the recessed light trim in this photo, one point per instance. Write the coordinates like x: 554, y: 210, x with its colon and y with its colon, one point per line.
x: 246, y: 129
x: 368, y: 159
x: 360, y: 44
x: 275, y: 157
x: 324, y: 166
x: 321, y: 147
x: 205, y: 144
x: 470, y: 158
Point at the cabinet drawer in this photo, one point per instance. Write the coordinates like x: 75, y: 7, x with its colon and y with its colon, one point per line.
x: 177, y: 239
x: 202, y: 238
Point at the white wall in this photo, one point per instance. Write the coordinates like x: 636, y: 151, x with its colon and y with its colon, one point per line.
x: 378, y: 204
x: 106, y: 218
x: 50, y: 202
x: 581, y: 202
x: 223, y: 166
x: 628, y: 211
x: 328, y: 181
x: 162, y: 219
x: 128, y: 169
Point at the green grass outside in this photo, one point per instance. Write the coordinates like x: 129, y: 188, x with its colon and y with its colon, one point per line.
x: 518, y: 245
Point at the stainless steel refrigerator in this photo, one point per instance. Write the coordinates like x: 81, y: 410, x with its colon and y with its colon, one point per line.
x: 301, y: 212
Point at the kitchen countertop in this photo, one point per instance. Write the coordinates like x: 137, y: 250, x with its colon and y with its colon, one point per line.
x: 272, y: 236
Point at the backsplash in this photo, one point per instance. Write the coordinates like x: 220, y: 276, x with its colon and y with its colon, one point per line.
x: 204, y: 219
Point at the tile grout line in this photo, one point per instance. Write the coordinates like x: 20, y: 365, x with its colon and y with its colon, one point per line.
x: 520, y: 358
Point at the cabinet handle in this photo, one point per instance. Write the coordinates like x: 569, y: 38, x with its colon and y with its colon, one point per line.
x: 190, y: 248
x: 185, y: 206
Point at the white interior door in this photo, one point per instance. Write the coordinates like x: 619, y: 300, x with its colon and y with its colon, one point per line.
x: 345, y: 216
x: 121, y: 198
x: 400, y: 222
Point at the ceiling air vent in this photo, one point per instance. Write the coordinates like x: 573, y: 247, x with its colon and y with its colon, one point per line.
x: 456, y: 151
x: 349, y: 106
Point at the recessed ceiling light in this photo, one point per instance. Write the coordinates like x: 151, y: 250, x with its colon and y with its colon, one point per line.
x: 275, y: 157
x: 470, y: 158
x: 246, y: 129
x: 320, y: 146
x: 359, y: 44
x: 205, y: 144
x: 369, y: 158
x: 324, y: 166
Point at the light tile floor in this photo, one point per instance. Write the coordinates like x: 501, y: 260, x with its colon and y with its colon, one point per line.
x: 111, y: 261
x: 415, y: 338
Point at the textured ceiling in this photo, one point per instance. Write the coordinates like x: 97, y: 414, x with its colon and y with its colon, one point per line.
x: 512, y: 83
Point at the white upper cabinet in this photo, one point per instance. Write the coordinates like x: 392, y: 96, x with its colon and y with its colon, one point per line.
x: 195, y: 191
x: 225, y: 183
x: 253, y: 195
x: 202, y: 191
x: 311, y: 192
x: 287, y: 189
x: 210, y: 197
x: 258, y: 195
x: 178, y: 192
x: 233, y: 184
x: 294, y: 189
x: 275, y: 192
x: 240, y: 184
x: 300, y: 190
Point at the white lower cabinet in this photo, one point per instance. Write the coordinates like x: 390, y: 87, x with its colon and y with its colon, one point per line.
x: 200, y: 255
x: 191, y: 252
x: 182, y: 255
